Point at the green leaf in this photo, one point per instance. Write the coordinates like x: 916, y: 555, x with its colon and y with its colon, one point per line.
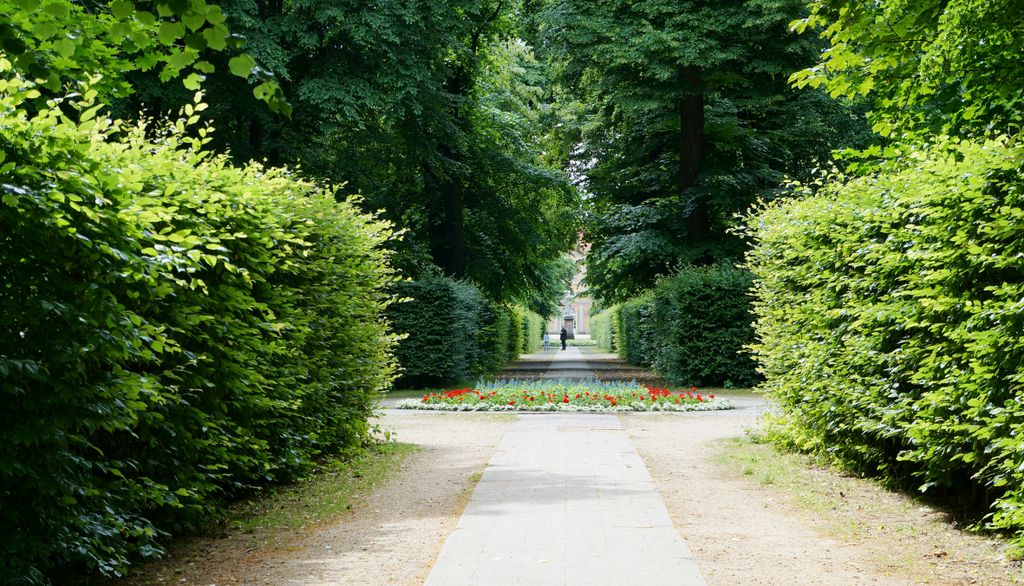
x: 64, y: 47
x: 193, y: 81
x: 215, y: 16
x: 241, y: 65
x: 216, y: 37
x: 45, y: 30
x: 181, y: 59
x: 145, y: 17
x: 170, y: 32
x: 57, y: 8
x: 122, y: 9
x: 193, y: 20
x: 196, y: 42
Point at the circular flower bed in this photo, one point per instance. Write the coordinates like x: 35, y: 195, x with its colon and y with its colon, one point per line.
x: 549, y: 395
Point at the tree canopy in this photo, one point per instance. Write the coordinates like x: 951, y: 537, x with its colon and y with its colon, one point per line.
x: 435, y: 112
x: 681, y: 116
x: 934, y: 66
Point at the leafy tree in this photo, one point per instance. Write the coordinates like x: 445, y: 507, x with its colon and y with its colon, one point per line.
x: 60, y: 42
x: 952, y: 66
x: 682, y: 117
x: 430, y: 109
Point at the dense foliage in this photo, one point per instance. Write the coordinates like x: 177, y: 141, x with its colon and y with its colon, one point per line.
x: 678, y: 116
x: 691, y: 328
x: 64, y: 41
x: 177, y: 331
x: 889, y: 319
x: 887, y: 301
x: 949, y: 66
x: 701, y: 321
x: 431, y: 110
x: 453, y: 333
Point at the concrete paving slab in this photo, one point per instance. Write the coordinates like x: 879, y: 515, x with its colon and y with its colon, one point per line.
x: 565, y: 500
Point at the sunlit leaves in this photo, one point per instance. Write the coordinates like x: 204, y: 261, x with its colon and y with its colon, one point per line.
x: 885, y: 309
x: 930, y: 66
x: 177, y: 331
x: 60, y: 42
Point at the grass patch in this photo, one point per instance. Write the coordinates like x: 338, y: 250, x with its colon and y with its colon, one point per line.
x: 338, y: 486
x: 903, y: 535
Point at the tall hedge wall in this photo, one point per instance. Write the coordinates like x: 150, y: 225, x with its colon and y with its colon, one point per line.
x: 890, y: 316
x: 453, y: 333
x: 174, y: 331
x: 602, y: 329
x: 532, y: 326
x: 692, y: 328
x: 634, y: 331
x: 700, y: 323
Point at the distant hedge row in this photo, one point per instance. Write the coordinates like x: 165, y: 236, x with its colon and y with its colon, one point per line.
x: 890, y: 315
x: 174, y: 331
x: 692, y: 328
x: 453, y: 333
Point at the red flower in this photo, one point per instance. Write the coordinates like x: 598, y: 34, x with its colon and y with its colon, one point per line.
x: 511, y: 402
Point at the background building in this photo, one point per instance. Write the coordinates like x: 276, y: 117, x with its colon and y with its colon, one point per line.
x: 574, y: 312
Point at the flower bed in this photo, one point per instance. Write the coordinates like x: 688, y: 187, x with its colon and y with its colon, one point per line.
x: 553, y: 395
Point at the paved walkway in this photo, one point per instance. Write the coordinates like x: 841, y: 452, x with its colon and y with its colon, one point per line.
x: 565, y: 501
x: 569, y: 363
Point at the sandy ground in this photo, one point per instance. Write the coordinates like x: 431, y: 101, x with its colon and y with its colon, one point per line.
x: 738, y: 533
x: 392, y: 540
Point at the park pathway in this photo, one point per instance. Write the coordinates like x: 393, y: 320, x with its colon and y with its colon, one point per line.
x: 565, y: 500
x: 569, y: 363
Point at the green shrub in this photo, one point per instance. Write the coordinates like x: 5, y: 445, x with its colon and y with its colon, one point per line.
x: 634, y: 334
x: 701, y: 322
x: 439, y: 322
x: 453, y: 333
x: 532, y: 328
x: 889, y: 317
x: 175, y: 331
x: 499, y: 337
x: 602, y: 328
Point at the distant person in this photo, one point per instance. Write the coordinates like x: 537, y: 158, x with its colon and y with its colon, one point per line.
x: 547, y: 341
x: 563, y: 337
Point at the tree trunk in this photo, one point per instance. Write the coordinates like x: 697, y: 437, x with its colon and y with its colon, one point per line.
x: 691, y: 151
x: 453, y: 257
x: 450, y: 252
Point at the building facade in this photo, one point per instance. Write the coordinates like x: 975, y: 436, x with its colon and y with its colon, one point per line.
x: 574, y: 310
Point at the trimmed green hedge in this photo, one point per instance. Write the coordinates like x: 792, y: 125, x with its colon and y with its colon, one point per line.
x: 692, y: 328
x: 174, y: 332
x: 634, y: 331
x: 532, y: 326
x: 453, y: 333
x: 603, y: 326
x: 890, y: 316
x: 700, y: 323
x: 439, y: 319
